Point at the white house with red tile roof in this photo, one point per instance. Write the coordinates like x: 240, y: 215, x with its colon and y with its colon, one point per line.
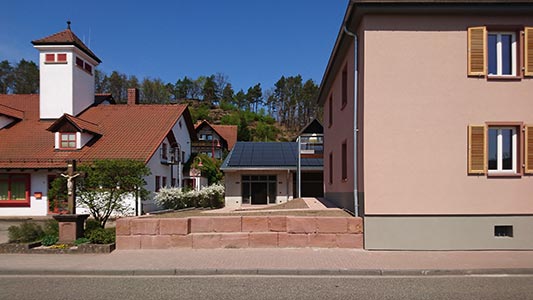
x: 67, y: 121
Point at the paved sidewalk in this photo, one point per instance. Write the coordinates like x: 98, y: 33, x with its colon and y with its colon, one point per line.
x: 271, y: 262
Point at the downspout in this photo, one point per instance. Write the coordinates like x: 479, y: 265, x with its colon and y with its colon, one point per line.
x: 299, y: 169
x: 288, y: 177
x: 355, y: 129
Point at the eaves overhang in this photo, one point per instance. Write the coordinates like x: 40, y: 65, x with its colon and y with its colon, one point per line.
x: 358, y: 8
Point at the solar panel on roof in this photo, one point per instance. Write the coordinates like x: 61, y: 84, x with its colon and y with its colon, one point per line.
x: 283, y: 154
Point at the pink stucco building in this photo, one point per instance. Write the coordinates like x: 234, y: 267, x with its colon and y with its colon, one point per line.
x: 436, y: 98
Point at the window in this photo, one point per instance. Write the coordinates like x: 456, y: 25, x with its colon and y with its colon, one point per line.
x: 502, y: 153
x: 79, y: 62
x: 497, y: 149
x: 496, y: 53
x: 157, y: 183
x: 501, y: 53
x: 344, y: 86
x: 68, y: 141
x: 164, y: 151
x: 330, y: 111
x: 50, y: 57
x: 209, y: 137
x: 14, y: 190
x: 173, y: 182
x: 62, y: 57
x: 182, y: 156
x: 88, y: 68
x: 202, y: 137
x: 331, y: 168
x: 164, y: 181
x: 344, y: 162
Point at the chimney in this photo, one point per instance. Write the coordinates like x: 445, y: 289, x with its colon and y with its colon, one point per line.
x: 133, y: 96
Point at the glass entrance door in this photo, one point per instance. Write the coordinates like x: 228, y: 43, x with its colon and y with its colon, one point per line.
x: 259, y: 189
x: 259, y: 193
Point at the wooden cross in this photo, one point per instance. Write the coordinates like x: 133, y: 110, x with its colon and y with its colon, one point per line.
x: 71, y: 187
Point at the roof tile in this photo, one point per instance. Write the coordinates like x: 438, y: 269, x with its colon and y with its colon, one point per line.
x: 127, y: 132
x: 66, y: 37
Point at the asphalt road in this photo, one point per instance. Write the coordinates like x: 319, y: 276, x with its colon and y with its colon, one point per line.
x: 266, y: 287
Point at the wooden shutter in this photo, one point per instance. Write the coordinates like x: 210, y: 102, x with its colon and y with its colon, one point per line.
x: 528, y: 149
x: 477, y: 150
x: 477, y: 51
x: 528, y: 51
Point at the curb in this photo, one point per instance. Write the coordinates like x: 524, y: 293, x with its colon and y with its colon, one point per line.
x: 268, y: 272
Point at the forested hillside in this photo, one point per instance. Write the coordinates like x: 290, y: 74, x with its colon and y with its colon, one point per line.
x: 263, y: 114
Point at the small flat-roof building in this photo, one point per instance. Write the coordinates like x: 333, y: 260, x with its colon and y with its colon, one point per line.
x: 265, y: 173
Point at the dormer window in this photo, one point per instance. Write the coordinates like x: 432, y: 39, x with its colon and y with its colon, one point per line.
x: 72, y: 133
x: 67, y: 140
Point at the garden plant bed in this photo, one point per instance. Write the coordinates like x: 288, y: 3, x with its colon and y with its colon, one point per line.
x: 37, y: 248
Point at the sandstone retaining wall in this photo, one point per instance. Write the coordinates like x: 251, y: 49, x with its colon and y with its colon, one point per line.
x: 239, y: 232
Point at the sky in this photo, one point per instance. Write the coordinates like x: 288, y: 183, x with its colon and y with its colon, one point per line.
x: 250, y: 41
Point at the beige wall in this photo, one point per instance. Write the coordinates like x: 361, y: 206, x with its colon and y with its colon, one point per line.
x: 232, y: 183
x: 418, y: 102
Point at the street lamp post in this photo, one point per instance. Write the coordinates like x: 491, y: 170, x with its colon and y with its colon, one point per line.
x: 213, y: 146
x: 176, y: 156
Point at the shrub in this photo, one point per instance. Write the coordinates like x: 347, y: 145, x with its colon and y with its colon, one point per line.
x: 80, y: 241
x: 102, y: 236
x: 175, y: 198
x: 49, y: 240
x: 25, y: 233
x: 211, y: 196
x: 51, y: 228
x: 90, y: 225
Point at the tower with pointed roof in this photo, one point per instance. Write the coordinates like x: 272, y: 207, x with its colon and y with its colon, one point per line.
x: 66, y: 74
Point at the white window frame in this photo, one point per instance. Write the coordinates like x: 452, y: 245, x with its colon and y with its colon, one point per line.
x: 499, y: 63
x: 499, y: 149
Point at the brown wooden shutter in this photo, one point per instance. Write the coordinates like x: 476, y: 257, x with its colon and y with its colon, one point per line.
x: 476, y: 149
x: 528, y: 149
x: 477, y: 51
x: 528, y: 51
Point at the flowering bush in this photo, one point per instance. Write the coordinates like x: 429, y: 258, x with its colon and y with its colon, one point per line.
x: 175, y: 198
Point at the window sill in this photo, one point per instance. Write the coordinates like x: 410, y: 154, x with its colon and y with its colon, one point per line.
x: 503, y: 174
x: 55, y: 62
x: 14, y: 203
x: 504, y: 77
